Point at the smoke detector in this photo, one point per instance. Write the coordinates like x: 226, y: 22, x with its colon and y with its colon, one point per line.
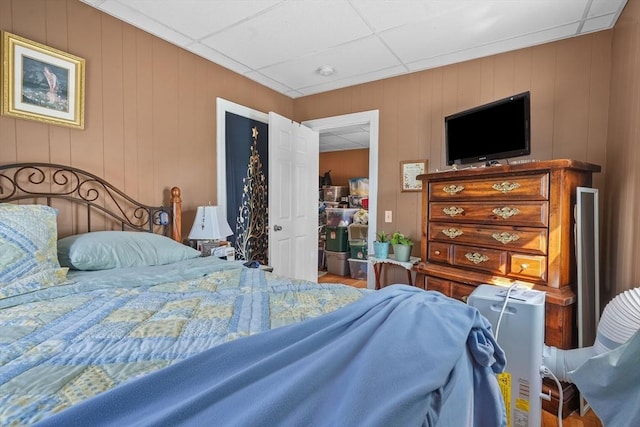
x: 325, y: 70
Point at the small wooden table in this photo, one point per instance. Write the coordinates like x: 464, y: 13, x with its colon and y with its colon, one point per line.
x: 379, y: 263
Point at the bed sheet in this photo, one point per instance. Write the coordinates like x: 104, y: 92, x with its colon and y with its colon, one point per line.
x: 62, y: 345
x: 399, y: 357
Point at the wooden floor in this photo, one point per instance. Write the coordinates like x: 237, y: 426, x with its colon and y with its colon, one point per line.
x: 548, y: 420
x: 347, y: 280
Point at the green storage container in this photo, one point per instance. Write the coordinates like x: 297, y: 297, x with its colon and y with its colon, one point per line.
x: 337, y: 239
x: 358, y: 250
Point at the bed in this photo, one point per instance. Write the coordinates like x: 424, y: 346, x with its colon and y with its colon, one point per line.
x: 113, y: 322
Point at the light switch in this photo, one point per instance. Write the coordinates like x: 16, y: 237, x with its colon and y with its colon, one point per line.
x: 388, y: 217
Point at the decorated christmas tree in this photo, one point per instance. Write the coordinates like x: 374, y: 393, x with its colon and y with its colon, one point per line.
x: 252, y: 223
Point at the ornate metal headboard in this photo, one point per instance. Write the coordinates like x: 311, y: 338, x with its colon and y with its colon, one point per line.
x: 34, y: 182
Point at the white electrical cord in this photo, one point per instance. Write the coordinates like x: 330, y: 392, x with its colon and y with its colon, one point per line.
x: 546, y: 372
x: 504, y: 308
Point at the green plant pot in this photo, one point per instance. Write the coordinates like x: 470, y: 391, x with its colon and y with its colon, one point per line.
x: 381, y: 250
x: 402, y: 252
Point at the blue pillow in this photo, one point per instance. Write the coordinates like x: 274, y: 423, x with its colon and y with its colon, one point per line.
x: 103, y: 250
x: 28, y: 259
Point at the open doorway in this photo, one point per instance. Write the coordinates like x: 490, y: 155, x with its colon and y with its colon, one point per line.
x: 370, y: 120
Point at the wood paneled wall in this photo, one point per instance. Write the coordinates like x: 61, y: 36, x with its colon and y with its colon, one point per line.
x: 150, y: 106
x: 150, y: 114
x: 569, y: 85
x: 621, y: 244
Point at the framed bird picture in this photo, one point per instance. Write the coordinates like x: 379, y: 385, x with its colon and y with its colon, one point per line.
x: 41, y: 83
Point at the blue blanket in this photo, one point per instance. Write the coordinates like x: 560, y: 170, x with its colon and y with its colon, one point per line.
x: 389, y: 359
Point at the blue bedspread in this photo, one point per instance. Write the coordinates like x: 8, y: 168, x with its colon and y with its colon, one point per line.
x: 64, y: 344
x: 392, y: 358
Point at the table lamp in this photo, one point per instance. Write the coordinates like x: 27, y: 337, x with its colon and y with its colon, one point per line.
x: 210, y: 228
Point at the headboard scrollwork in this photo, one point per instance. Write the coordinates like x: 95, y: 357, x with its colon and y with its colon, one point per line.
x: 35, y: 181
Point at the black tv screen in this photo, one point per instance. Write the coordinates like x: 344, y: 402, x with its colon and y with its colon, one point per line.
x: 497, y: 130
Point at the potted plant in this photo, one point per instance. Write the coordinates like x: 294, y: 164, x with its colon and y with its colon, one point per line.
x: 381, y: 245
x: 402, y: 246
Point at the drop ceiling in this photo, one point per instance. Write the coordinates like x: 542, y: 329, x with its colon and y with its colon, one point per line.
x: 283, y: 43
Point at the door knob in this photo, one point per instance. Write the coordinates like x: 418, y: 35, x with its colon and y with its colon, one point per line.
x: 277, y: 228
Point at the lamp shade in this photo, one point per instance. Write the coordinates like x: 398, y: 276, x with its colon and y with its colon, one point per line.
x: 210, y: 224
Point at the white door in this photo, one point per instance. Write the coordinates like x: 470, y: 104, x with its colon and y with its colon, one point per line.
x: 293, y: 207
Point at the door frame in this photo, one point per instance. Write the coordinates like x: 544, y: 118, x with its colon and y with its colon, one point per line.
x: 222, y: 107
x: 324, y: 124
x: 372, y: 118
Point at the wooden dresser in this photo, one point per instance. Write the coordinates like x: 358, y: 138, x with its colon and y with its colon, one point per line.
x: 502, y: 224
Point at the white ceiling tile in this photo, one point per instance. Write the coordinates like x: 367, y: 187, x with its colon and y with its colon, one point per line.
x: 280, y: 43
x: 205, y: 17
x: 349, y: 60
x: 133, y: 17
x: 605, y: 7
x: 290, y: 30
x: 383, y: 15
x: 268, y: 82
x: 483, y: 25
x: 596, y: 24
x: 220, y: 59
x: 496, y: 48
x: 350, y: 81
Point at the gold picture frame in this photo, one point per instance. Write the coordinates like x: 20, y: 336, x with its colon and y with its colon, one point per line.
x: 41, y: 83
x: 409, y: 170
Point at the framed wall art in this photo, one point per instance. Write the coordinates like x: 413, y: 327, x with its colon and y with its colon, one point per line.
x: 41, y: 83
x: 409, y: 170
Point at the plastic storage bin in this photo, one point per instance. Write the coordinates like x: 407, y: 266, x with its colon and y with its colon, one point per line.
x: 359, y: 186
x: 337, y: 263
x: 358, y: 232
x: 337, y: 239
x: 358, y: 201
x: 334, y: 193
x: 340, y: 216
x: 358, y: 250
x: 358, y: 269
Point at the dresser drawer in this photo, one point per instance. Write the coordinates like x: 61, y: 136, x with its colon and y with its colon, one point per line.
x: 528, y: 267
x: 460, y: 291
x: 523, y: 187
x: 440, y: 252
x: 526, y: 214
x: 437, y: 284
x: 493, y: 261
x: 532, y: 240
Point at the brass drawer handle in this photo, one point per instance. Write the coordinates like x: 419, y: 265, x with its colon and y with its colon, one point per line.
x: 452, y: 211
x: 505, y: 237
x: 506, y: 186
x: 452, y: 189
x: 437, y: 252
x: 523, y: 267
x: 476, y: 258
x: 506, y: 212
x: 452, y: 233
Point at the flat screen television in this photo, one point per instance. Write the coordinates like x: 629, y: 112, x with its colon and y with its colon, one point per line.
x: 498, y: 130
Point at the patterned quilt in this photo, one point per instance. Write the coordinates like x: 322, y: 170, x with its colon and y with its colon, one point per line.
x: 61, y: 345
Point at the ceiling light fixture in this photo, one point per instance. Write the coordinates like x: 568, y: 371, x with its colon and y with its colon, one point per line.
x: 325, y: 70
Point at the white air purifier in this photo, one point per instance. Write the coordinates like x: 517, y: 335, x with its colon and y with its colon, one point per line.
x: 520, y: 333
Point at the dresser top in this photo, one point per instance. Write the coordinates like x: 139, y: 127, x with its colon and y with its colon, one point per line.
x: 520, y: 167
